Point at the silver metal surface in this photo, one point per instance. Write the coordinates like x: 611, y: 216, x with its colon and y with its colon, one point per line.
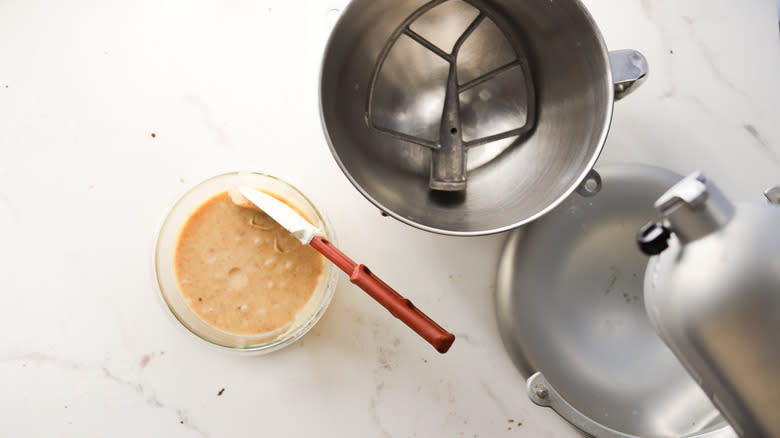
x: 629, y: 70
x: 715, y: 300
x: 543, y: 394
x: 448, y: 152
x: 569, y: 304
x: 694, y: 208
x: 591, y: 185
x: 773, y: 195
x: 510, y: 181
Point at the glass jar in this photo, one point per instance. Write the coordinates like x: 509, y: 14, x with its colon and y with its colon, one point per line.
x: 164, y: 258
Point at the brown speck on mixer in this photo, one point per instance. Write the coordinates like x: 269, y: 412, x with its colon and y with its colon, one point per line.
x: 154, y: 135
x: 181, y: 421
x: 510, y: 421
x: 220, y: 392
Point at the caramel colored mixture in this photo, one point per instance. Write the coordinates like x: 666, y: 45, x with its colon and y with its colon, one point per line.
x: 240, y: 271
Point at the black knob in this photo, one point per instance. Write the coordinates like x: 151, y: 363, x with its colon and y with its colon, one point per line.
x: 653, y: 238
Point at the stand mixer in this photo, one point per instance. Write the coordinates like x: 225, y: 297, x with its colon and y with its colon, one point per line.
x: 712, y: 293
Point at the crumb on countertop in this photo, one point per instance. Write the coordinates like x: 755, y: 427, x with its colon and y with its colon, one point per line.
x: 145, y: 360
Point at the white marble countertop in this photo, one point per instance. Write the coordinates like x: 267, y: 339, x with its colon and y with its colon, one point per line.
x: 87, y: 349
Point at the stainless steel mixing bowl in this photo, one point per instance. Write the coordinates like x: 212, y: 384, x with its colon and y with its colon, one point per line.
x: 510, y: 182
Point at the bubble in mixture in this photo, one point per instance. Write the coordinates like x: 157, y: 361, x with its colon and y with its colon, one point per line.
x: 237, y: 279
x: 210, y: 256
x: 285, y: 244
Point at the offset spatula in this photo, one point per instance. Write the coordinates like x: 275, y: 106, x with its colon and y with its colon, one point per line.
x: 360, y: 275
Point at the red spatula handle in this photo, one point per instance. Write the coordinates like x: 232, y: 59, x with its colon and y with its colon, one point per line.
x: 399, y: 306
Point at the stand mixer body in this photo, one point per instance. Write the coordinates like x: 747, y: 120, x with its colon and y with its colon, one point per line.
x: 712, y: 293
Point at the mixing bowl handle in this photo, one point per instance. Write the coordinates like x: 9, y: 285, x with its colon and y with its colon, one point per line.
x: 591, y: 185
x: 543, y: 394
x: 629, y: 70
